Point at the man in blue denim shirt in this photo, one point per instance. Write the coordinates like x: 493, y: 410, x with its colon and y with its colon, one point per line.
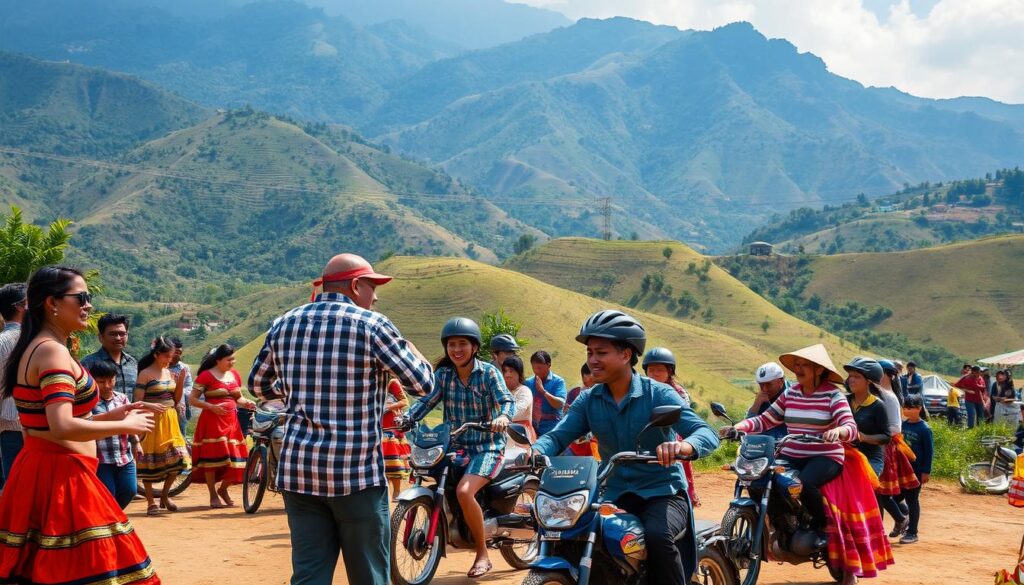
x: 615, y: 411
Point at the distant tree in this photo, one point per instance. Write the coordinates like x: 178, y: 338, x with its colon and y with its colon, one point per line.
x: 524, y: 243
x: 645, y: 283
x: 634, y: 236
x: 862, y: 200
x: 766, y: 324
x: 687, y: 303
x: 667, y: 252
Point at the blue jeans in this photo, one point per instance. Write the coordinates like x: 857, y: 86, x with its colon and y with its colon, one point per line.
x: 11, y: 443
x: 120, y: 481
x: 355, y: 525
x: 975, y: 413
x: 244, y: 420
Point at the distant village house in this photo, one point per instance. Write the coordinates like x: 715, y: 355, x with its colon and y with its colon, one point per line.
x: 761, y: 249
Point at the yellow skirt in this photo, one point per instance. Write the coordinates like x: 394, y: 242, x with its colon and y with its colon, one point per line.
x: 164, y: 453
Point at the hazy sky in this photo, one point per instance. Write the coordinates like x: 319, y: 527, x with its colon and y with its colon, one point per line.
x: 931, y: 48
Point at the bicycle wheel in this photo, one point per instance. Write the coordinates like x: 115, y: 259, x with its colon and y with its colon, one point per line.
x: 181, y: 482
x: 257, y: 475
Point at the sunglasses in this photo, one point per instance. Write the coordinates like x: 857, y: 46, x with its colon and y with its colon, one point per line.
x: 83, y: 297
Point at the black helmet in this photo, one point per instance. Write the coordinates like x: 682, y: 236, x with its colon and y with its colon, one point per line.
x: 612, y: 324
x: 888, y: 367
x: 461, y: 327
x: 504, y: 342
x: 659, y: 355
x: 867, y: 367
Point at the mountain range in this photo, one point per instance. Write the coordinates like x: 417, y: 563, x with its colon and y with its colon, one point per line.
x: 691, y: 135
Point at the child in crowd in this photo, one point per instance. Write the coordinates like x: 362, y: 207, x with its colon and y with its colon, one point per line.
x: 953, y: 406
x: 116, y: 454
x: 918, y: 436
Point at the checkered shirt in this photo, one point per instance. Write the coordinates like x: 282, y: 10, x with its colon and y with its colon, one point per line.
x: 330, y: 361
x: 115, y: 449
x: 484, y: 398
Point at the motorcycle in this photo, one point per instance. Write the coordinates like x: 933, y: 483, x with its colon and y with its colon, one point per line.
x: 770, y: 520
x: 428, y: 517
x: 994, y: 475
x: 261, y: 466
x: 585, y: 540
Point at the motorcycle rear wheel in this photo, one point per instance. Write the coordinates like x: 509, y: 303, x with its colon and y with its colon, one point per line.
x: 836, y: 574
x: 714, y: 569
x: 415, y: 549
x: 537, y: 577
x: 995, y: 481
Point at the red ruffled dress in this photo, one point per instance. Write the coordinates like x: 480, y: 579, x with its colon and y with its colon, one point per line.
x: 396, y: 448
x: 58, y: 523
x: 218, y: 446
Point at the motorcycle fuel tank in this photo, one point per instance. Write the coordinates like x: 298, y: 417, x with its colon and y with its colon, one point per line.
x: 624, y: 537
x: 566, y: 475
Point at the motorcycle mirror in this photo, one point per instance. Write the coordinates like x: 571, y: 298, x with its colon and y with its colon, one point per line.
x: 665, y: 416
x: 718, y: 409
x: 518, y: 434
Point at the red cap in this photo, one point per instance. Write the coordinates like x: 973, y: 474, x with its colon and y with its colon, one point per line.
x: 358, y: 272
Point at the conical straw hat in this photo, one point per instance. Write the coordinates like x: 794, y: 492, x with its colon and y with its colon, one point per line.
x: 815, y: 354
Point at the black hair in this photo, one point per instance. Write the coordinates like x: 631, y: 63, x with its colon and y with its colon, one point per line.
x: 975, y: 368
x: 540, y: 357
x: 446, y: 362
x: 160, y: 345
x: 102, y: 369
x: 913, y: 401
x: 623, y: 346
x: 215, y: 355
x: 11, y: 295
x: 48, y: 281
x: 112, y: 319
x: 515, y: 363
x: 176, y: 342
x: 585, y: 369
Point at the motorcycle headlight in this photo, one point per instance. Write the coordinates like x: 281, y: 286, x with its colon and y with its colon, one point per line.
x: 426, y: 457
x: 751, y: 468
x: 560, y: 513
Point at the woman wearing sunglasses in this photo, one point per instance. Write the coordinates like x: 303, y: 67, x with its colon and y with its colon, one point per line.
x: 58, y: 523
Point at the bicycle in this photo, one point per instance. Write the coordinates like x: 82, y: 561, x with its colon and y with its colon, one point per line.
x: 267, y: 433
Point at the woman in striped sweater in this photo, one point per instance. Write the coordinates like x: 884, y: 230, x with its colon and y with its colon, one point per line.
x: 814, y: 406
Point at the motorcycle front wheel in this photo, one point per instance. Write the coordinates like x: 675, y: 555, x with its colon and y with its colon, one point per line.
x: 714, y: 569
x: 414, y: 560
x: 257, y: 476
x: 536, y: 577
x: 519, y: 555
x: 993, y: 479
x: 738, y: 527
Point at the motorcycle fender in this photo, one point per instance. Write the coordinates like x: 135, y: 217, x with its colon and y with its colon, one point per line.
x: 743, y: 503
x: 413, y: 493
x: 555, y: 564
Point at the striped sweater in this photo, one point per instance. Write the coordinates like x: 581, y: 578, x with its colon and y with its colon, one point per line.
x: 825, y: 409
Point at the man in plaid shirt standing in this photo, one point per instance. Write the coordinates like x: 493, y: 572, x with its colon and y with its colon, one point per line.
x: 330, y: 361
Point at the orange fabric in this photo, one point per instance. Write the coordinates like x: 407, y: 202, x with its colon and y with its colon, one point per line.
x: 897, y: 474
x: 1016, y: 493
x: 856, y: 535
x: 59, y: 524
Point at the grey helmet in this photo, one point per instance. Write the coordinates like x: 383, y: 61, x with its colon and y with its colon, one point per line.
x: 504, y: 342
x: 461, y: 327
x: 659, y: 355
x: 867, y: 367
x: 612, y: 324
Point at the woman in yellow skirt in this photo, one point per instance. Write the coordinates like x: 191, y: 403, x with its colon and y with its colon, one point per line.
x: 164, y: 453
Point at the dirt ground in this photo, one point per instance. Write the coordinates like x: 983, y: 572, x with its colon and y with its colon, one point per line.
x: 964, y: 539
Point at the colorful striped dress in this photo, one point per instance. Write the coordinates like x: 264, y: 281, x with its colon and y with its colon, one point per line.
x: 58, y: 523
x: 218, y: 446
x: 826, y: 408
x: 164, y: 452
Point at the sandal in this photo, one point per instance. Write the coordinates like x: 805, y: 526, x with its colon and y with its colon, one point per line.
x: 153, y: 510
x: 479, y: 569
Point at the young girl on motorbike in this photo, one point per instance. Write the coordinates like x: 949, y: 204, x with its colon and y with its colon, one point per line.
x: 472, y: 391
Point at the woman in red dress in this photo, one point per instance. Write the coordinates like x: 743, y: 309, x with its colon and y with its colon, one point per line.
x: 58, y: 523
x: 396, y: 448
x: 218, y: 447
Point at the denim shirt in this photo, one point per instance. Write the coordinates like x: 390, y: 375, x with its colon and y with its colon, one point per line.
x: 616, y: 427
x: 127, y: 369
x: 545, y: 417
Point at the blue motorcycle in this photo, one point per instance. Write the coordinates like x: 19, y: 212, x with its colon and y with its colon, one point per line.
x: 587, y: 541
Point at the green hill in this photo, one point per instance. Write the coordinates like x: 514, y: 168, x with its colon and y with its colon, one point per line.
x: 693, y: 289
x: 251, y: 196
x: 427, y: 291
x: 966, y: 297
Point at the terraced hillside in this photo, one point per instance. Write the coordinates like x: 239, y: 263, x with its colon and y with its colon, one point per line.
x: 714, y: 364
x: 966, y: 297
x: 693, y: 289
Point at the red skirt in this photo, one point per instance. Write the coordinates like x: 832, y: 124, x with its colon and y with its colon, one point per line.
x: 396, y: 455
x: 897, y: 473
x: 856, y: 536
x: 60, y: 525
x: 218, y: 446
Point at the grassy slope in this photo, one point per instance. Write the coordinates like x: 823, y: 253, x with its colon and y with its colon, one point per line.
x: 967, y: 296
x: 739, y: 312
x: 860, y: 234
x: 427, y: 291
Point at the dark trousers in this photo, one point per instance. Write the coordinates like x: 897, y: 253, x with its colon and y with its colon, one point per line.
x: 913, y: 500
x: 814, y: 473
x: 11, y: 443
x: 665, y: 520
x: 356, y: 526
x: 975, y: 414
x: 890, y: 505
x: 120, y: 481
x: 244, y: 420
x: 953, y: 415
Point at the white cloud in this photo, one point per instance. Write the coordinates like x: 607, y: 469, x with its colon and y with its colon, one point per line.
x: 943, y: 48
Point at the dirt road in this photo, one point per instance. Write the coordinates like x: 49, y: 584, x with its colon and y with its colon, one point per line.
x: 964, y: 539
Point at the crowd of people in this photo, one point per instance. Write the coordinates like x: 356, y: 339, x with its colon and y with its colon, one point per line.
x: 94, y: 429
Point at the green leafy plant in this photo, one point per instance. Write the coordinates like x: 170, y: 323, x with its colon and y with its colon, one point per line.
x: 497, y: 323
